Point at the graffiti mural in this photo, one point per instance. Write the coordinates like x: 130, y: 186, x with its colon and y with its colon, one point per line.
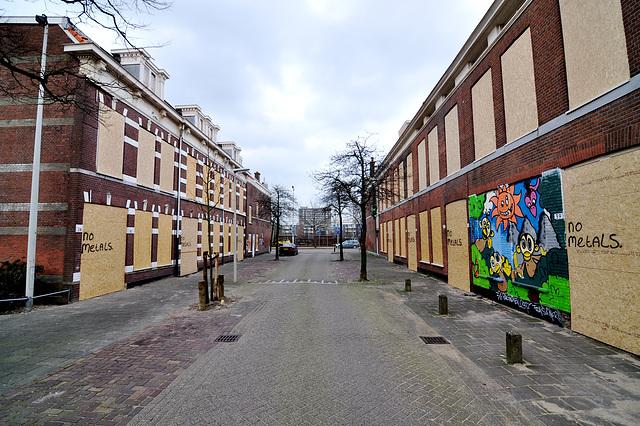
x: 517, y: 244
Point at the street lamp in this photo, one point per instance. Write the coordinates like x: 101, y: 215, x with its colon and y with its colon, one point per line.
x: 293, y: 227
x: 235, y: 224
x: 35, y: 175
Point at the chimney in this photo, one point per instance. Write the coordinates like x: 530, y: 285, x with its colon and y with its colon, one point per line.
x: 372, y: 166
x: 257, y: 175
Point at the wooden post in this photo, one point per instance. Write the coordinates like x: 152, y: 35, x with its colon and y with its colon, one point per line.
x: 202, y: 295
x: 205, y: 255
x: 217, y: 286
x: 443, y: 305
x: 514, y: 347
x: 407, y: 285
x: 221, y: 286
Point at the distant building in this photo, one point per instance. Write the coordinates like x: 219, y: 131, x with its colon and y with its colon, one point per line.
x: 314, y: 220
x: 517, y: 178
x: 131, y: 188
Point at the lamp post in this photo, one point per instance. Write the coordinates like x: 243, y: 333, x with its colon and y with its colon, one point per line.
x: 35, y: 175
x: 235, y: 224
x: 293, y: 227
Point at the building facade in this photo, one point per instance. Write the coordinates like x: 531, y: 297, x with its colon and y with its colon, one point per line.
x: 517, y: 178
x: 131, y: 188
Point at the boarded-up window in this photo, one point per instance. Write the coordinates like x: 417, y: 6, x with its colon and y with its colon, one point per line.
x: 396, y: 231
x: 166, y: 167
x: 434, y: 157
x: 422, y: 165
x: 410, y: 175
x: 191, y: 177
x: 189, y: 243
x: 146, y: 158
x: 402, y: 182
x: 484, y: 126
x: 425, y: 252
x: 142, y: 240
x: 217, y: 179
x: 458, y: 245
x: 403, y: 237
x: 520, y: 106
x: 207, y: 185
x: 436, y: 236
x: 250, y: 215
x: 595, y: 48
x: 390, y: 249
x: 103, y: 250
x: 225, y: 239
x: 452, y: 136
x: 110, y: 142
x: 412, y: 258
x: 165, y: 223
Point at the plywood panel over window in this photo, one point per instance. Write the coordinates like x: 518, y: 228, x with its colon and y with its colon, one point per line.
x: 422, y: 165
x: 436, y: 236
x: 403, y: 237
x: 396, y: 185
x: 402, y: 184
x: 207, y: 184
x: 484, y: 125
x: 595, y: 48
x: 142, y: 240
x: 396, y: 232
x: 434, y: 157
x: 410, y: 175
x: 390, y: 248
x: 226, y: 246
x: 240, y: 242
x: 412, y: 258
x: 425, y: 252
x: 110, y: 142
x: 146, y: 158
x: 602, y: 207
x: 215, y: 237
x: 458, y: 245
x: 189, y: 244
x: 520, y: 105
x: 452, y: 135
x: 165, y: 236
x: 104, y: 230
x: 217, y: 178
x: 191, y: 177
x: 166, y: 167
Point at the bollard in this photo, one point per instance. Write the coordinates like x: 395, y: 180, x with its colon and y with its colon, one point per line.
x: 205, y: 255
x: 221, y: 286
x: 514, y: 347
x: 443, y: 305
x: 202, y: 295
x: 407, y: 285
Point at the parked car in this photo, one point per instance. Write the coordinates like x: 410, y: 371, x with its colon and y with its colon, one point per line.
x: 349, y: 244
x: 288, y: 249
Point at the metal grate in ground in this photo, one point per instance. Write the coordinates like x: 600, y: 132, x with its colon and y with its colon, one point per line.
x: 434, y: 340
x: 227, y: 338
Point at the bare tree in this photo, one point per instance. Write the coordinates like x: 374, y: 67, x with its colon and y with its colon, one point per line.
x: 278, y: 207
x: 211, y: 199
x: 359, y: 184
x: 62, y: 82
x: 334, y: 196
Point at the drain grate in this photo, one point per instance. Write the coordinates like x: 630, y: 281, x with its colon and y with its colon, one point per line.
x: 434, y: 340
x: 227, y: 338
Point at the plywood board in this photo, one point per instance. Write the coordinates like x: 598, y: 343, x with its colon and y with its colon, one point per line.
x: 452, y: 136
x: 104, y: 230
x: 225, y: 239
x: 602, y: 207
x: 519, y: 88
x: 412, y: 259
x: 146, y: 158
x: 484, y: 125
x: 396, y: 233
x: 240, y: 243
x: 390, y: 241
x: 425, y: 251
x: 189, y: 244
x: 166, y: 167
x: 436, y: 235
x: 165, y: 236
x: 595, y: 48
x: 434, y: 156
x: 409, y: 175
x: 110, y: 150
x: 458, y: 245
x: 142, y: 240
x: 403, y: 237
x: 191, y: 177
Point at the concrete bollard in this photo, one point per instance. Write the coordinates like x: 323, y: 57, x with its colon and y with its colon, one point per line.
x: 514, y: 347
x: 221, y: 286
x: 443, y: 305
x: 407, y: 285
x: 202, y: 295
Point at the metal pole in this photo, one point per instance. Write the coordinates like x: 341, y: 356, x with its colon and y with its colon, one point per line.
x: 35, y: 175
x: 293, y: 227
x: 235, y: 231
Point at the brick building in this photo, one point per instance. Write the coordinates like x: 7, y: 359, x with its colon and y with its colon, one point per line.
x: 131, y: 188
x: 518, y: 177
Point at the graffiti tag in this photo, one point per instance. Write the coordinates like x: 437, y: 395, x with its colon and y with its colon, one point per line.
x: 544, y: 311
x: 597, y: 241
x: 91, y: 247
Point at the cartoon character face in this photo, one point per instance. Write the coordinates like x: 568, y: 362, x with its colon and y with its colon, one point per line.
x: 531, y: 197
x: 527, y: 246
x: 485, y: 225
x: 507, y: 208
x: 496, y: 260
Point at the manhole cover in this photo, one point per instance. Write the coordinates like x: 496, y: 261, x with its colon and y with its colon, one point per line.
x: 227, y: 338
x: 434, y: 340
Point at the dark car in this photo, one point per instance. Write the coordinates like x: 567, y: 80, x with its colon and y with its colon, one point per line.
x: 349, y: 244
x: 288, y: 249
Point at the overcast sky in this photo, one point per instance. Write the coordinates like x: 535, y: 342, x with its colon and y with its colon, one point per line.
x: 291, y: 81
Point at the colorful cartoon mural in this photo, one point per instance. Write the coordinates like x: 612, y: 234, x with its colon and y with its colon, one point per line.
x: 517, y: 244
